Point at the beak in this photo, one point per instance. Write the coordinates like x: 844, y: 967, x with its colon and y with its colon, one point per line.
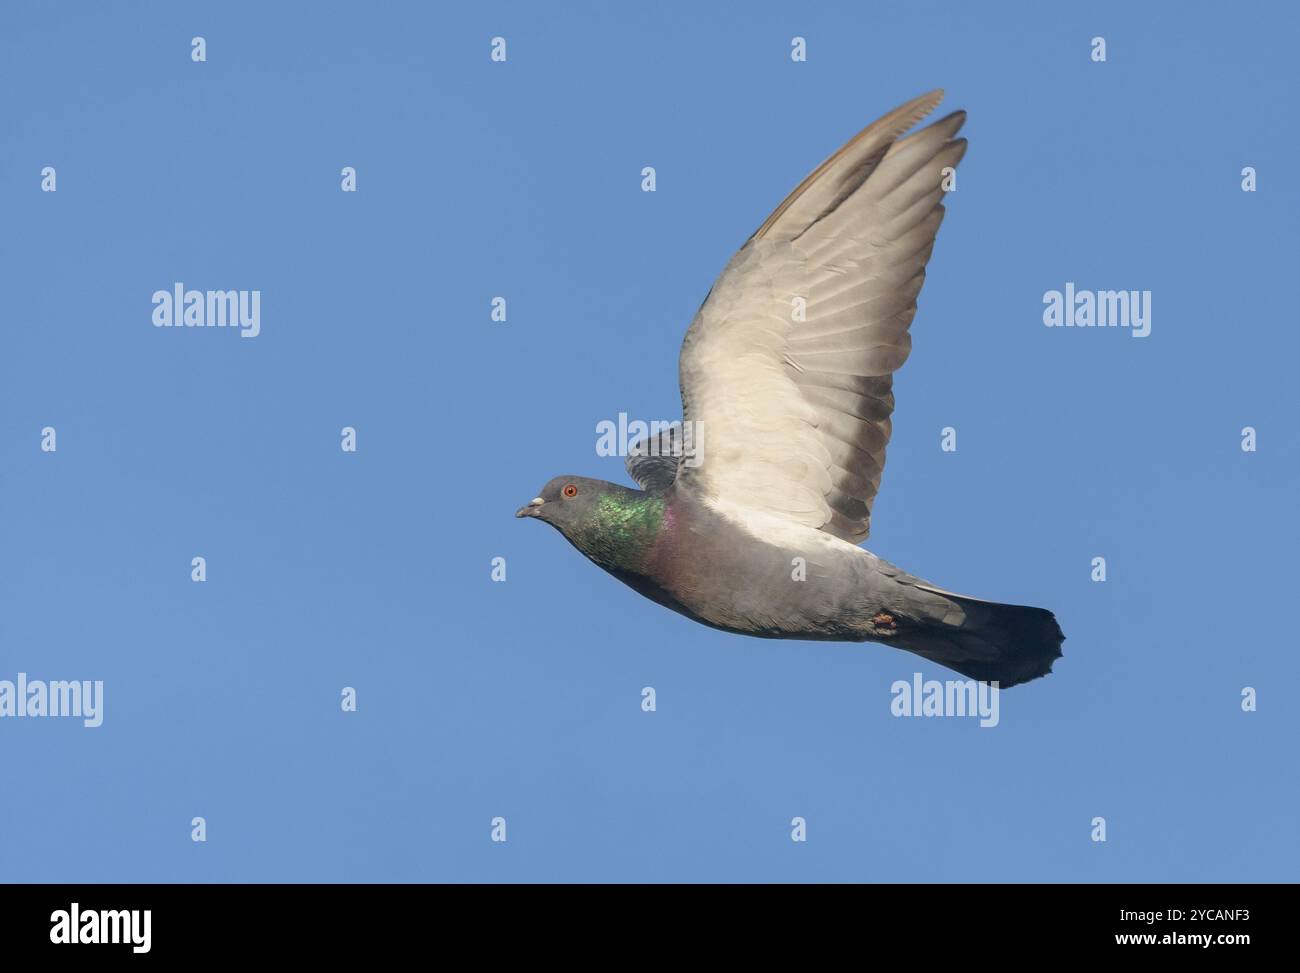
x: 531, y: 510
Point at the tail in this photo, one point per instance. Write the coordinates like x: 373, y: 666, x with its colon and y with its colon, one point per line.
x: 983, y: 640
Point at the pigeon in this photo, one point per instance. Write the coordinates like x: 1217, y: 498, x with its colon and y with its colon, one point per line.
x: 787, y: 387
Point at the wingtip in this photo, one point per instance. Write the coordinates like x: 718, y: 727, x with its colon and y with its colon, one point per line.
x: 876, y: 137
x: 918, y: 108
x: 930, y: 99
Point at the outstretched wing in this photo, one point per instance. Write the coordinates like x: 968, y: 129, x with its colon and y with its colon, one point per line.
x: 652, y: 461
x: 789, y: 363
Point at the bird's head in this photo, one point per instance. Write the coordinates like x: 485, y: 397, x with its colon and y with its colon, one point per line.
x: 568, y: 502
x: 611, y: 524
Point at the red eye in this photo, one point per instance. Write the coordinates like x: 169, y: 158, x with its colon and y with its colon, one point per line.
x: 570, y: 491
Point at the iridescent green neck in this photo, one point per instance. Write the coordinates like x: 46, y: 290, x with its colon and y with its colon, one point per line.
x: 623, y: 530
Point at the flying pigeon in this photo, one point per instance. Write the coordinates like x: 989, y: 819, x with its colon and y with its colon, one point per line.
x: 787, y: 378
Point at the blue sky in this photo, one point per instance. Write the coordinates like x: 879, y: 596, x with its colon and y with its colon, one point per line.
x: 522, y: 699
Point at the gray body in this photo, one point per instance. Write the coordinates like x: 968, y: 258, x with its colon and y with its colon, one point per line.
x: 714, y: 570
